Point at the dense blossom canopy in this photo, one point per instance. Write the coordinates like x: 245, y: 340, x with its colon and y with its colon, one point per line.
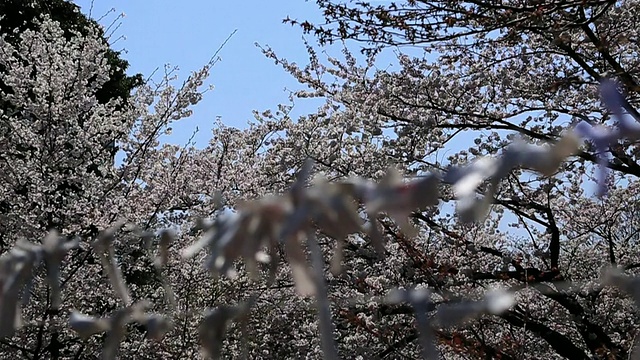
x: 520, y: 117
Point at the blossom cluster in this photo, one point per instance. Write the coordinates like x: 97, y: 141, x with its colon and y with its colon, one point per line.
x: 310, y: 205
x: 462, y: 288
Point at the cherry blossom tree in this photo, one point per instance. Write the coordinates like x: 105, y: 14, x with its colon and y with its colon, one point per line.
x: 57, y: 173
x: 442, y: 210
x: 488, y: 73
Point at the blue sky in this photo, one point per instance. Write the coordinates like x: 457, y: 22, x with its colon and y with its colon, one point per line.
x: 187, y: 34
